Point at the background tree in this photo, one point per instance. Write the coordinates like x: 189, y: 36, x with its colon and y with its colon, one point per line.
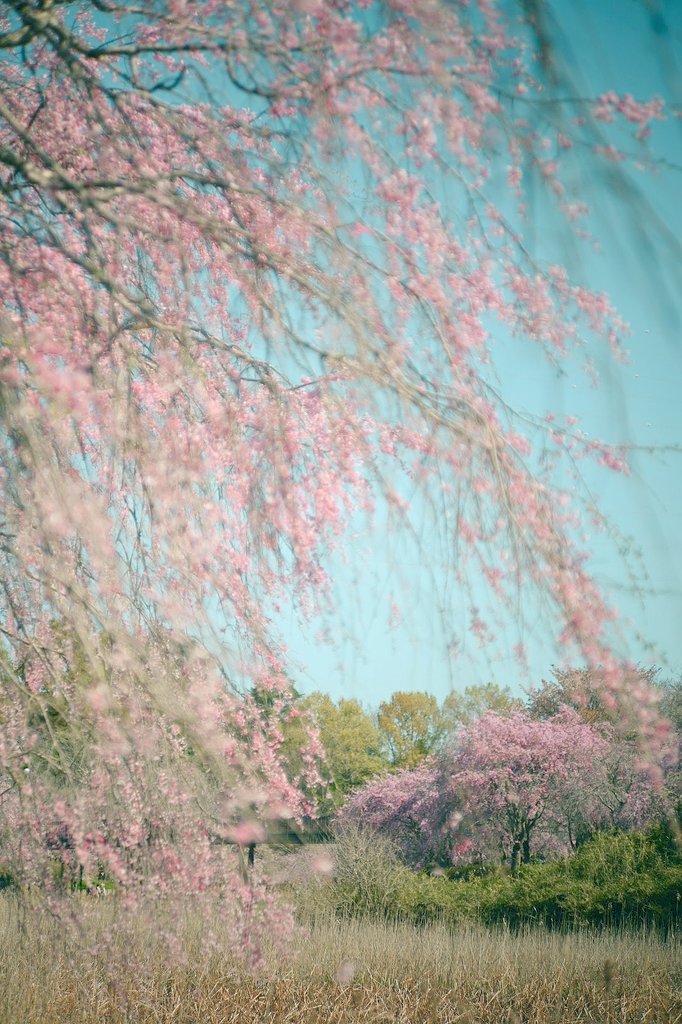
x: 410, y: 807
x: 555, y: 781
x: 670, y: 696
x: 510, y: 785
x: 616, y: 792
x: 463, y: 708
x: 513, y: 772
x: 584, y: 690
x: 411, y: 727
x: 351, y: 743
x: 292, y: 726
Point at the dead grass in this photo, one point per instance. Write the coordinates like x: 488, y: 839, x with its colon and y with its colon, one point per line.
x: 342, y: 973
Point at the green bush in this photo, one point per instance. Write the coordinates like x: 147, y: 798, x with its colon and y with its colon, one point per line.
x: 617, y: 879
x: 423, y: 898
x: 7, y: 880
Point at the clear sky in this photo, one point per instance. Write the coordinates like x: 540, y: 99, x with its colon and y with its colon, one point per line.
x: 608, y: 44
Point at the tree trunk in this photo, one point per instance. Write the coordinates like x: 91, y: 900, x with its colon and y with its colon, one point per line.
x: 526, y: 846
x: 516, y: 850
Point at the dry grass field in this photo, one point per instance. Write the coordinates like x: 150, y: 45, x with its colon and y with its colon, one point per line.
x: 355, y: 972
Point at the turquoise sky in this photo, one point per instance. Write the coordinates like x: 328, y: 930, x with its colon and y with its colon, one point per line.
x: 611, y: 44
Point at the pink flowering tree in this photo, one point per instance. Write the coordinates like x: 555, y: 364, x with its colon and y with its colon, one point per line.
x: 524, y: 783
x: 410, y: 807
x: 215, y: 353
x: 510, y: 786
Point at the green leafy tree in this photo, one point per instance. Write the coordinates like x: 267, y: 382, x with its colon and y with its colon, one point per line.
x: 351, y: 748
x: 411, y: 727
x: 351, y: 742
x: 288, y: 715
x: 466, y: 707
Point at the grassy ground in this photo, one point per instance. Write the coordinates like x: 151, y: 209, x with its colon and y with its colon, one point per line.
x: 355, y: 972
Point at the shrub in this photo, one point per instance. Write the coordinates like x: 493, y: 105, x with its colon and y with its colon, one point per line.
x: 367, y: 877
x: 617, y: 879
x: 7, y: 880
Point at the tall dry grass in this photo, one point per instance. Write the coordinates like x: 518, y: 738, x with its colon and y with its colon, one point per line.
x: 354, y: 971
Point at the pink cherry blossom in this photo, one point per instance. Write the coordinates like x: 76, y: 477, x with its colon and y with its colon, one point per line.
x: 217, y: 353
